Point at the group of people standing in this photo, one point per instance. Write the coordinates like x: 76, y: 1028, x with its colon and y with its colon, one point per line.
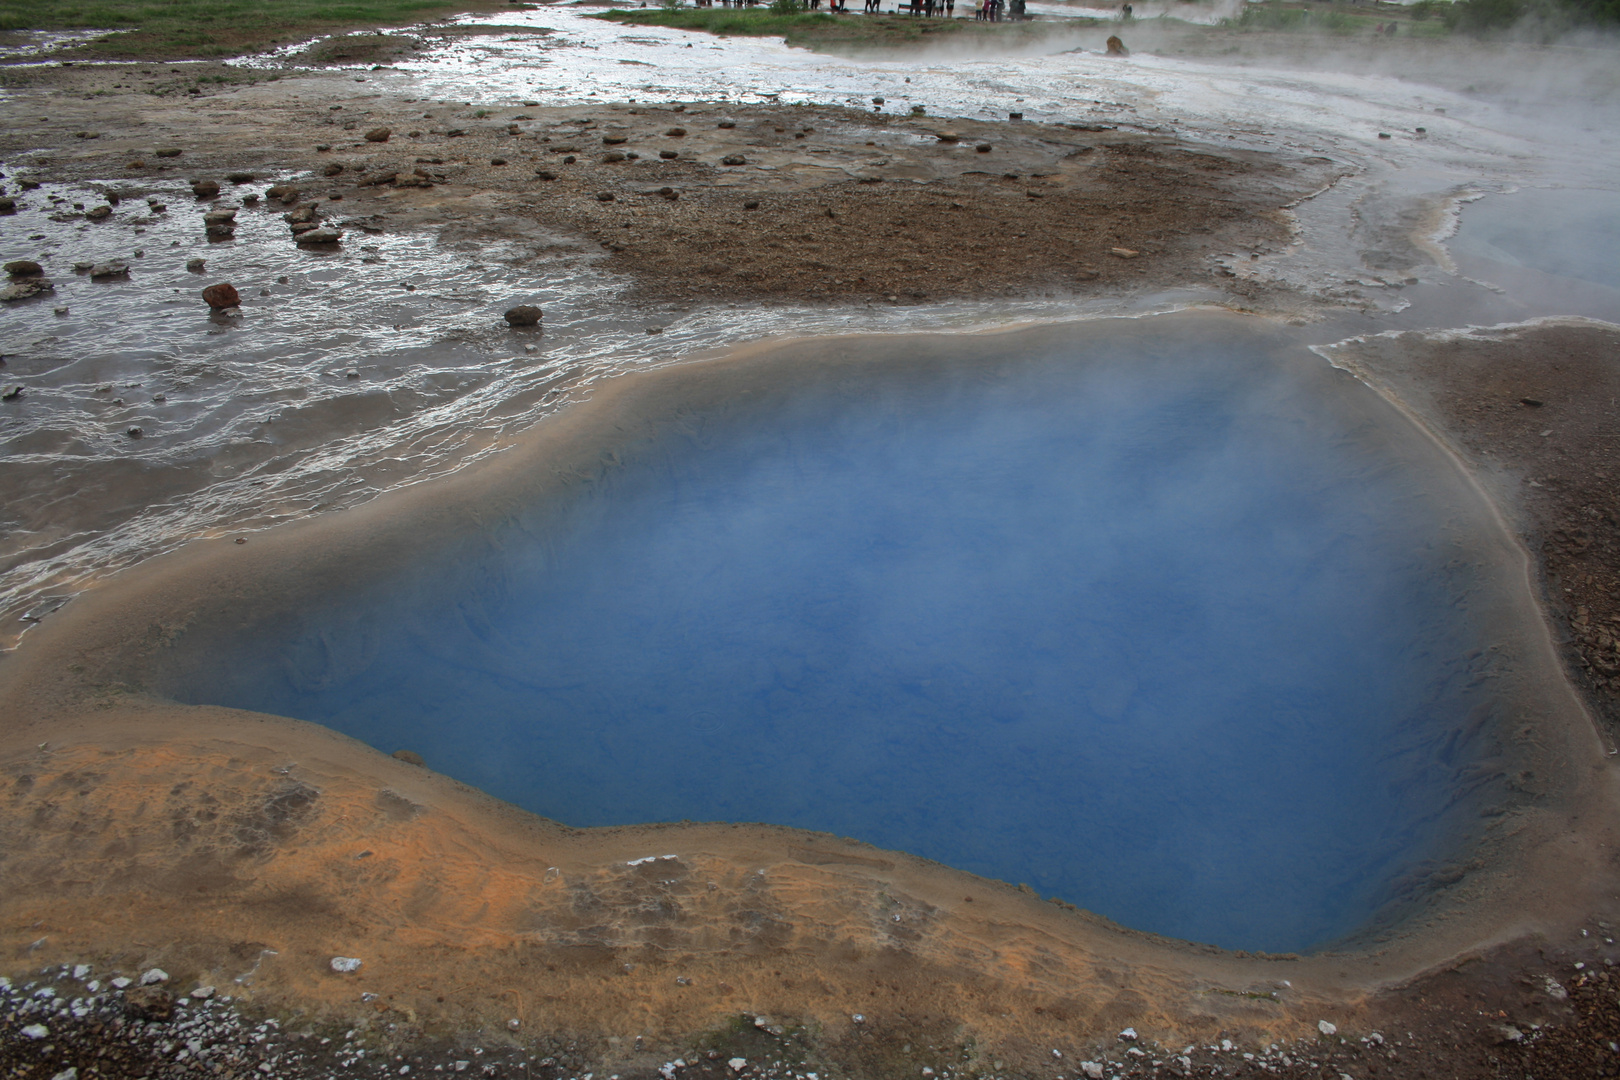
x: 983, y: 10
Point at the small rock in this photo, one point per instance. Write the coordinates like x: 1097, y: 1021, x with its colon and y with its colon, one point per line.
x: 121, y: 983
x: 284, y: 192
x: 332, y: 169
x: 219, y: 217
x: 1124, y: 252
x: 378, y: 134
x: 8, y: 206
x: 1117, y: 47
x: 196, y: 266
x: 877, y: 101
x: 134, y: 433
x: 170, y: 152
x: 1503, y: 1034
x: 98, y: 213
x: 751, y: 204
x: 1015, y: 116
x: 947, y: 136
x: 69, y: 1073
x: 221, y: 230
x: 240, y: 177
x: 1129, y: 1034
x: 676, y: 132
x: 569, y: 160
x: 343, y: 965
x: 409, y: 757
x: 514, y: 1023
x: 523, y: 315
x: 221, y: 296
x: 36, y: 1031
x: 545, y: 174
x: 1532, y: 402
x: 733, y: 159
x: 1385, y: 135
x: 614, y: 140
x: 1092, y: 1069
x: 24, y: 268
x: 319, y: 236
x: 668, y: 155
x: 150, y: 1003
x: 1326, y: 1028
x: 13, y: 394
x: 604, y: 196
x: 727, y: 124
x: 81, y: 971
x: 109, y: 270
x: 737, y: 1064
x: 155, y: 975
x: 497, y: 161
x: 87, y: 134
x: 611, y: 157
x: 205, y: 189
x: 983, y: 148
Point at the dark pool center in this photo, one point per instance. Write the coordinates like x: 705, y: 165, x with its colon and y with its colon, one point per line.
x: 1170, y: 625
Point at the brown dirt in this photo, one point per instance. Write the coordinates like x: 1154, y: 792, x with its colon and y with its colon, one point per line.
x: 849, y: 205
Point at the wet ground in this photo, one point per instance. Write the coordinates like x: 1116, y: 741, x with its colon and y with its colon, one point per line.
x: 1258, y: 181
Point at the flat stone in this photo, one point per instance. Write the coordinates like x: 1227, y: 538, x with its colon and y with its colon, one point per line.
x: 378, y: 134
x: 24, y: 268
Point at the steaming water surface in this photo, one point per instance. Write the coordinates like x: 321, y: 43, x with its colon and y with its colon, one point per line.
x: 1169, y: 630
x: 260, y: 422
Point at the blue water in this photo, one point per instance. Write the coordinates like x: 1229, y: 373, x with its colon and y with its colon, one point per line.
x: 1169, y: 631
x: 1567, y: 233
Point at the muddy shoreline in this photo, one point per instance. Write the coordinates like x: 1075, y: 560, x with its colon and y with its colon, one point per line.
x: 821, y: 203
x: 442, y: 897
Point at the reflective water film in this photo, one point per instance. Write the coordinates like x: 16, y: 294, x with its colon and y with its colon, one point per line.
x: 1171, y: 632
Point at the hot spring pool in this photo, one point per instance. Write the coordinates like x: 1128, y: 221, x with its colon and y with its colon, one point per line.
x: 1177, y: 625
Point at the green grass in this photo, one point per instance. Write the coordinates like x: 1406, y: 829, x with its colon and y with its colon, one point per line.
x: 820, y: 30
x: 1333, y: 19
x: 165, y: 29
